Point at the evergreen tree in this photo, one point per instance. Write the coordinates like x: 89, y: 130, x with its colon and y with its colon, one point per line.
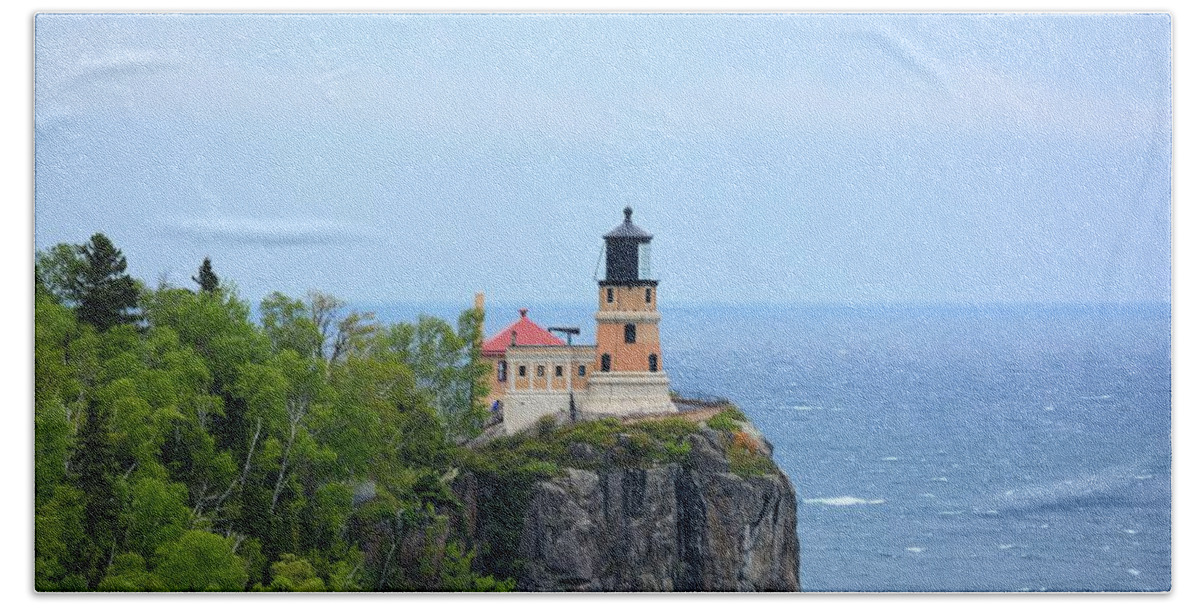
x: 107, y: 294
x: 207, y: 279
x: 96, y: 472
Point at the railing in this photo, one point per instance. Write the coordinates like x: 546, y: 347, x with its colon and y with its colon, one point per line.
x: 687, y: 401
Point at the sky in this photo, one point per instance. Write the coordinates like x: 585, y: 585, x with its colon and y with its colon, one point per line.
x: 807, y: 159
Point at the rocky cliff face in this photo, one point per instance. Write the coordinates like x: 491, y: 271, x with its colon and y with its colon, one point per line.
x: 689, y: 526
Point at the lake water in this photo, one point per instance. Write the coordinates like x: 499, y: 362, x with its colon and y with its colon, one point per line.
x: 949, y: 449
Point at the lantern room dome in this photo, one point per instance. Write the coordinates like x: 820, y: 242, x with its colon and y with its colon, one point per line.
x: 628, y: 230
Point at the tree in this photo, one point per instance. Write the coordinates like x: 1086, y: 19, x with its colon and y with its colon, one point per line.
x: 128, y: 573
x: 207, y: 279
x: 157, y: 514
x: 353, y: 330
x: 448, y: 367
x: 96, y: 475
x: 201, y: 561
x: 58, y: 269
x: 106, y: 294
x: 292, y: 573
x: 288, y: 325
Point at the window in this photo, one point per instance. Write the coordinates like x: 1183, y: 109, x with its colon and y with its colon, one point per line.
x: 608, y: 295
x: 605, y: 362
x: 521, y: 371
x: 558, y: 371
x: 653, y: 362
x: 647, y: 295
x: 582, y: 370
x: 541, y: 371
x: 502, y: 371
x: 630, y: 333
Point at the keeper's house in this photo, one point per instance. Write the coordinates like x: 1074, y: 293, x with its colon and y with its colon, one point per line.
x: 535, y: 373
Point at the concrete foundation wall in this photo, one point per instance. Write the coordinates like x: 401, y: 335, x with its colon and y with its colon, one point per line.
x: 624, y: 394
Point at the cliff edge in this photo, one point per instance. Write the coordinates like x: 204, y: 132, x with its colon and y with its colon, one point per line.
x: 684, y: 503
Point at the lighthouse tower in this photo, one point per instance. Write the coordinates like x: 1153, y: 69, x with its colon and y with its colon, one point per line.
x: 628, y: 376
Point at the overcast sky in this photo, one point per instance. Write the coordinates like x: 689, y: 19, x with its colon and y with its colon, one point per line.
x: 788, y: 159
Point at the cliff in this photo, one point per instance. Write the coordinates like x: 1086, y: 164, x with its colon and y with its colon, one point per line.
x: 665, y: 505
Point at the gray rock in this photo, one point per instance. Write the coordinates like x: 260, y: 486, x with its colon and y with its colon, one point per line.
x: 690, y: 527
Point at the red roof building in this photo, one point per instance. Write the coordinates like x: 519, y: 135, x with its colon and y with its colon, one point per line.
x: 523, y: 332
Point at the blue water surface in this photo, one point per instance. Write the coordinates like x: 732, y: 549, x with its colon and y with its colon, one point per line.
x: 951, y: 449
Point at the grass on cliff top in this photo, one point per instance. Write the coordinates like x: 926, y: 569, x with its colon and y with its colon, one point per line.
x: 547, y: 448
x: 543, y: 451
x: 727, y: 420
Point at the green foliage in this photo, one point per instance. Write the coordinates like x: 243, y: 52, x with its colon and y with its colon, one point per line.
x: 157, y: 514
x: 58, y: 270
x: 727, y: 420
x: 201, y: 451
x: 544, y: 426
x: 745, y: 459
x: 750, y: 464
x: 60, y: 540
x: 668, y: 429
x: 292, y: 573
x: 448, y: 369
x: 106, y: 295
x: 655, y: 441
x: 601, y: 433
x: 128, y: 573
x: 288, y: 325
x: 96, y: 478
x: 201, y: 561
x: 207, y: 279
x: 346, y: 574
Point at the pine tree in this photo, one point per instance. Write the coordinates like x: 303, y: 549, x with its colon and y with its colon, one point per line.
x: 107, y: 294
x: 95, y: 476
x: 207, y: 280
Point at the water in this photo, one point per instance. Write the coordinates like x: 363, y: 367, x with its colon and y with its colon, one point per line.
x: 955, y: 449
x: 948, y: 449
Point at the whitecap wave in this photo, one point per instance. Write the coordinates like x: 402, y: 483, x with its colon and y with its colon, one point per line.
x: 843, y: 501
x: 914, y: 549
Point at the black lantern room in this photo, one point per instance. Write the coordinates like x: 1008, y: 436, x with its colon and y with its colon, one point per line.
x: 627, y: 254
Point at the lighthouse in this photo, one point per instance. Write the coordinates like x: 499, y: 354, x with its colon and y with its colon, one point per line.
x: 534, y: 374
x: 630, y: 374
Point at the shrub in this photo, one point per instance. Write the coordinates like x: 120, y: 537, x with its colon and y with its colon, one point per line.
x: 745, y: 460
x: 668, y: 429
x: 544, y: 426
x: 600, y: 433
x: 727, y: 420
x: 750, y: 464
